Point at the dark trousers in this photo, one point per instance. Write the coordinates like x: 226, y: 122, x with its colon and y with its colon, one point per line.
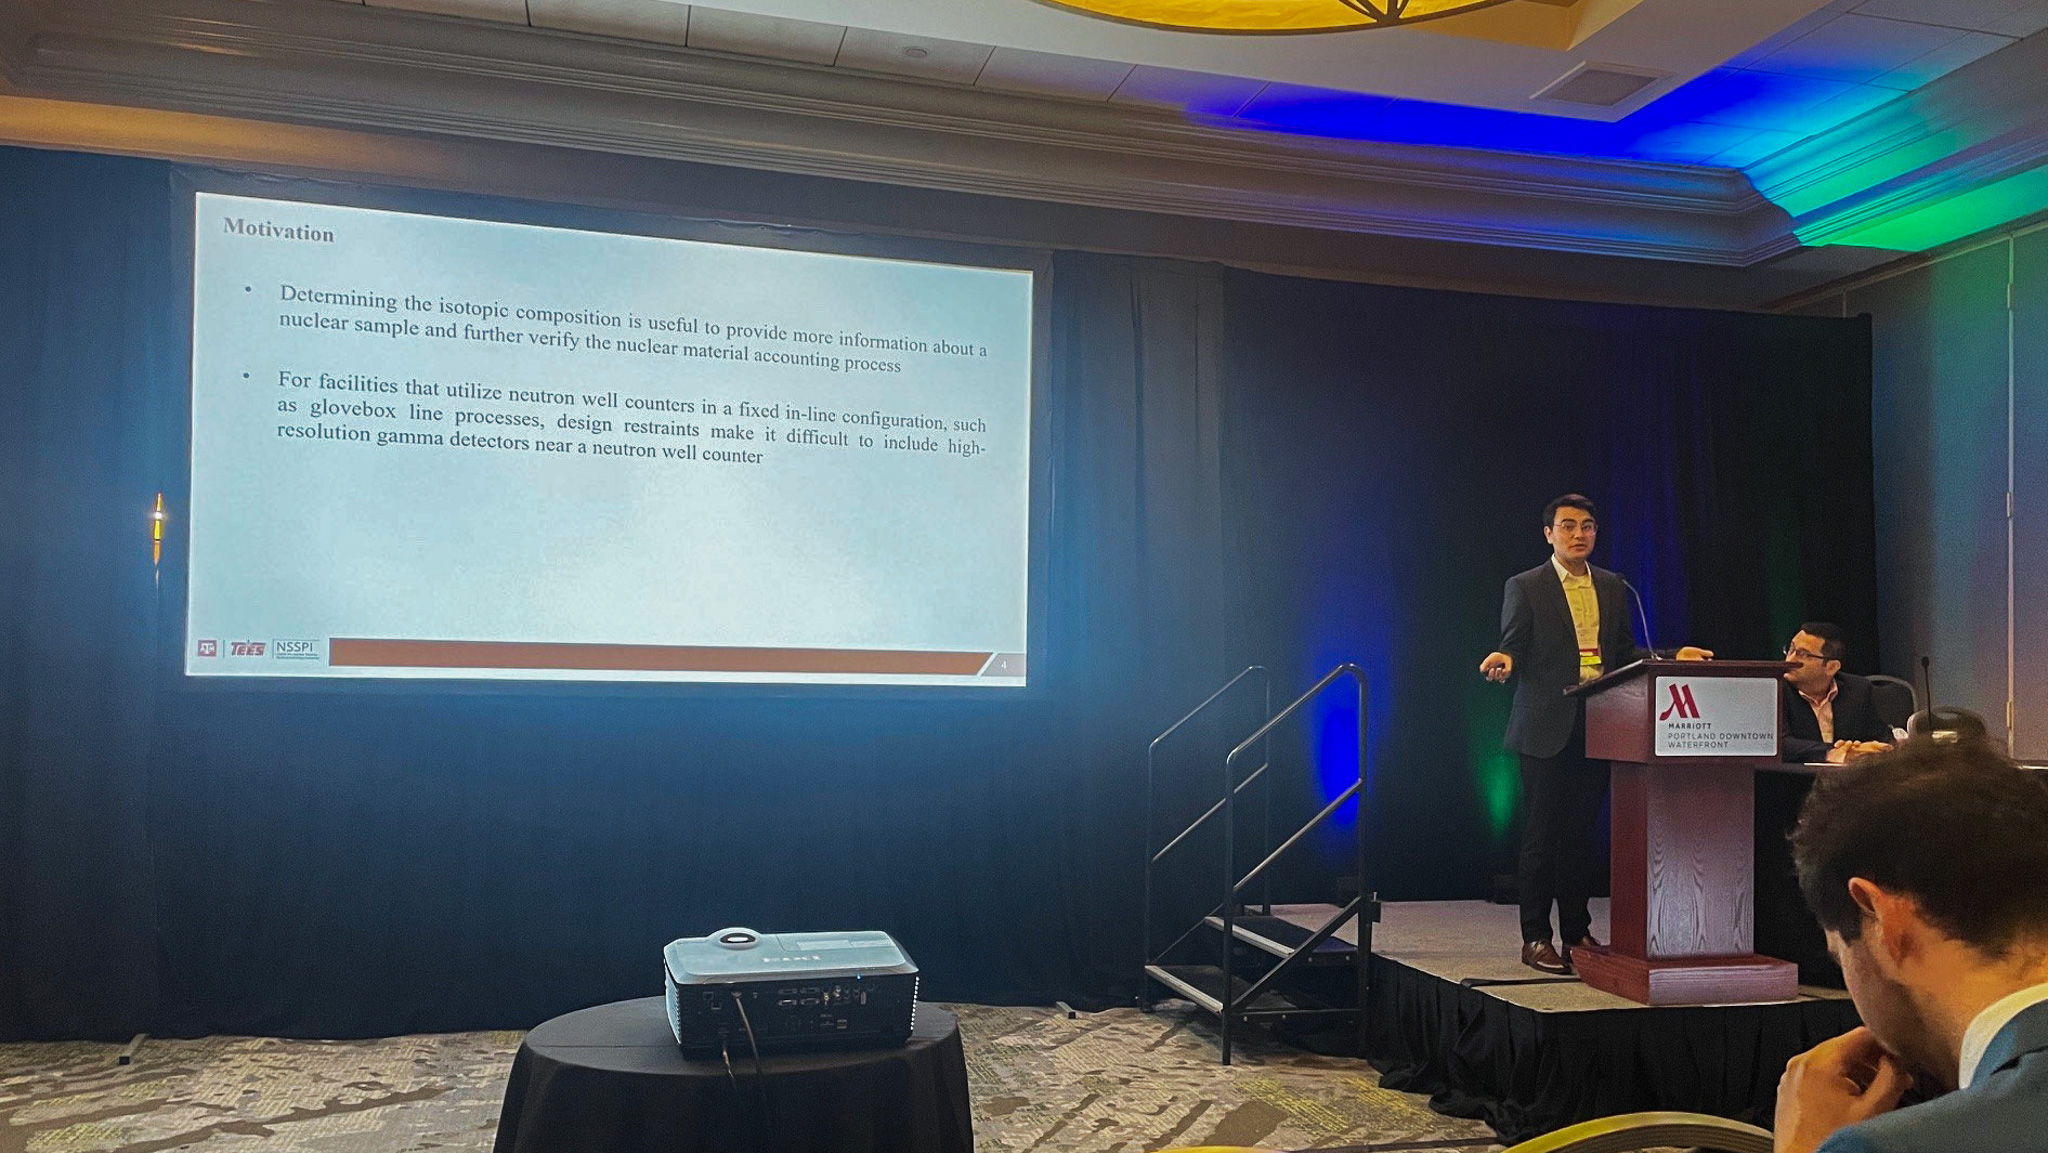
x: 1561, y: 799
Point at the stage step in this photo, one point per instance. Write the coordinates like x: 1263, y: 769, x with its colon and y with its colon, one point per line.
x: 1203, y: 984
x: 1283, y: 938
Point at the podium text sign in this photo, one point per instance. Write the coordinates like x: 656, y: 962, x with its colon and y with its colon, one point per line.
x: 1684, y: 739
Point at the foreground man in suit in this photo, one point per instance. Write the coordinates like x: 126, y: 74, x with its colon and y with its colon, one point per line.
x: 1928, y: 867
x: 1562, y: 623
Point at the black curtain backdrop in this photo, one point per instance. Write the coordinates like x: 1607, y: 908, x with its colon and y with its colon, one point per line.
x: 1388, y: 455
x: 1242, y: 469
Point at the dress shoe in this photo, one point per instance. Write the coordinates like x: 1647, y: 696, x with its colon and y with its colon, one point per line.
x: 1585, y: 944
x: 1542, y: 957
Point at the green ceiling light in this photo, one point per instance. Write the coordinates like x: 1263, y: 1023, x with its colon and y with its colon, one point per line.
x: 1275, y: 15
x: 1950, y: 219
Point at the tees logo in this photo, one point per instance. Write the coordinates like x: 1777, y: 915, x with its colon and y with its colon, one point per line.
x: 245, y: 648
x: 1682, y: 705
x: 209, y: 648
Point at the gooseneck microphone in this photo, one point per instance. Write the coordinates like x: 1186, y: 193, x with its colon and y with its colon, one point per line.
x: 1641, y: 615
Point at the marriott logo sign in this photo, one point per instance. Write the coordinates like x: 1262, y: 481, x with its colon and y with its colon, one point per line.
x: 1682, y: 705
x: 1710, y: 716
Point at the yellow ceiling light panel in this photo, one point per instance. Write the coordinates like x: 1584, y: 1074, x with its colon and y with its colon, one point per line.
x: 1275, y: 15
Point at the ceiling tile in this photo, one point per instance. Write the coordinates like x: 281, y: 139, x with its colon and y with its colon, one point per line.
x: 1050, y: 74
x: 1195, y: 91
x: 1757, y: 99
x: 1688, y: 143
x: 776, y: 37
x: 1765, y: 143
x: 1856, y: 49
x: 507, y: 11
x: 919, y: 56
x: 1455, y: 126
x: 1841, y: 109
x: 1977, y: 14
x: 1291, y: 100
x: 1942, y: 61
x: 1808, y: 23
x: 2022, y: 22
x: 655, y: 20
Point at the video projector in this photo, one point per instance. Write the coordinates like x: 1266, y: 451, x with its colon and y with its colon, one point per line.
x: 797, y: 991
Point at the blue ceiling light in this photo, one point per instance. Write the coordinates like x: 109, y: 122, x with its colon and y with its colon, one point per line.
x: 1729, y: 116
x: 1806, y: 90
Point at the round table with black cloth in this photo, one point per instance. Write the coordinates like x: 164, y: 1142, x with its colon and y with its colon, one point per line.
x: 611, y: 1080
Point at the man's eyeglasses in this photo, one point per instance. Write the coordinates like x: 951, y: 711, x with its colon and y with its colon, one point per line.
x: 1795, y: 653
x: 1572, y: 526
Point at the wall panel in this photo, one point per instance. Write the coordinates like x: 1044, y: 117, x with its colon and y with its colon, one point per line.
x: 2030, y: 496
x: 1939, y: 419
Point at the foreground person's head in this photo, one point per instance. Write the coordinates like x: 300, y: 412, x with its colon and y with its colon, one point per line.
x: 1928, y: 869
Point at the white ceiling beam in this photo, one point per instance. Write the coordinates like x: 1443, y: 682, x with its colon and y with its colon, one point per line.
x: 655, y: 21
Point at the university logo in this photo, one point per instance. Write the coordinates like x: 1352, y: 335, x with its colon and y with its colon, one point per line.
x: 209, y: 648
x: 1682, y: 705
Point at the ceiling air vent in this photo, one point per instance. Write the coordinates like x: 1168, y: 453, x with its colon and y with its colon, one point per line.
x: 1600, y: 85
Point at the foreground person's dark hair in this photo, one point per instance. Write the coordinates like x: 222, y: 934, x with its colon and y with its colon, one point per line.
x: 1958, y: 827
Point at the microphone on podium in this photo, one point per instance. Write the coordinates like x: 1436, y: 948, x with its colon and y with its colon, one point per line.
x: 1641, y: 615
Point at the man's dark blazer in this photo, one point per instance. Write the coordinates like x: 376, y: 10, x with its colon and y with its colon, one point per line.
x: 1536, y: 629
x: 1856, y: 719
x: 2005, y: 1109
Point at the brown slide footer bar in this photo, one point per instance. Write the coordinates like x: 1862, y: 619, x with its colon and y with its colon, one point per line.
x: 364, y: 652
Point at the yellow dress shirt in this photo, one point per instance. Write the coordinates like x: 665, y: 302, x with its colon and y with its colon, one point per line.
x: 1585, y: 606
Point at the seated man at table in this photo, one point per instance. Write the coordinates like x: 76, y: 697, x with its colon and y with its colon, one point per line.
x: 1928, y: 868
x: 1829, y: 715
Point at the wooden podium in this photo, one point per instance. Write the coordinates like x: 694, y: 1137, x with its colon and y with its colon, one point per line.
x: 1684, y: 738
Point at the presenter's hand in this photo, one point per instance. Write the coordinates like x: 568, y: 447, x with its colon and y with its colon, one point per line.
x: 1838, y: 1082
x: 1694, y: 653
x: 1497, y: 667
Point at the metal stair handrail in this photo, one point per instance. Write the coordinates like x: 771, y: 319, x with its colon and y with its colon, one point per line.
x: 1152, y: 857
x: 1234, y: 885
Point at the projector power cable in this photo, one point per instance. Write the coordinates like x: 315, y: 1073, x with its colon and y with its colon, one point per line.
x: 763, y: 1118
x: 749, y: 1027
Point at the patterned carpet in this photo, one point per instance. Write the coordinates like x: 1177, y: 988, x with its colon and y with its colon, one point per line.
x: 1114, y: 1082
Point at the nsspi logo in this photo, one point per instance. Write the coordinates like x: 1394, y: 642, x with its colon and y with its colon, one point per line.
x: 246, y: 648
x: 1682, y: 706
x: 297, y: 650
x: 209, y: 648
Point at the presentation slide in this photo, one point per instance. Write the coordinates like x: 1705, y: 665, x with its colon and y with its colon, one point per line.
x: 429, y: 447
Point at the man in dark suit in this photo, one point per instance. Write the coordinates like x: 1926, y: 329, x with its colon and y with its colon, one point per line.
x: 1829, y: 714
x: 1562, y: 623
x: 1928, y: 867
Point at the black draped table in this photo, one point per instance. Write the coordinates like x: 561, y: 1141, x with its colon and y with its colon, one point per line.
x: 611, y: 1080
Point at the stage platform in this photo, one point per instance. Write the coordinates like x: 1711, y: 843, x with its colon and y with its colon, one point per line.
x: 1455, y: 1015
